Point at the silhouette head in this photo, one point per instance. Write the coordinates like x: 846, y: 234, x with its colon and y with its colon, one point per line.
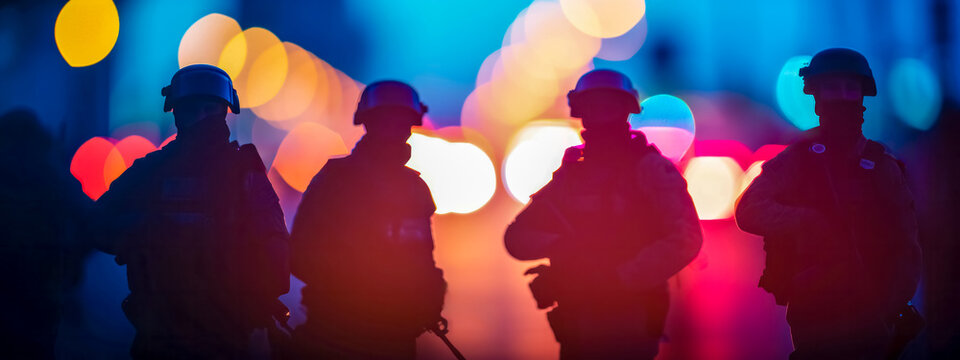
x: 199, y: 96
x: 838, y: 79
x: 603, y: 98
x: 388, y: 110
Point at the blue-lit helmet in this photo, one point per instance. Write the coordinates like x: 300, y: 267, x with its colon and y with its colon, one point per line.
x: 613, y: 82
x: 200, y: 80
x: 838, y: 61
x: 389, y: 94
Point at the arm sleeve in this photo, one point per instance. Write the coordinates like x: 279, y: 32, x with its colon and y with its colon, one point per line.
x: 120, y: 210
x: 435, y: 287
x: 678, y: 240
x: 909, y: 254
x: 762, y: 211
x: 309, y: 225
x: 538, y: 228
x: 269, y: 233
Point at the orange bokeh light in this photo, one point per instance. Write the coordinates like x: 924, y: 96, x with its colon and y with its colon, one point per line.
x: 304, y: 151
x: 713, y: 182
x: 298, y: 89
x: 205, y: 40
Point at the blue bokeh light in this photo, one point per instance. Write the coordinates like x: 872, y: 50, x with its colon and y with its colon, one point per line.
x: 796, y: 106
x: 915, y: 93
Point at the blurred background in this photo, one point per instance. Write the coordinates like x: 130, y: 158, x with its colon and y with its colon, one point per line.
x: 718, y: 81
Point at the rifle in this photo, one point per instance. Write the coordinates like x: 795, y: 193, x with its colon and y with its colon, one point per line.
x: 441, y: 328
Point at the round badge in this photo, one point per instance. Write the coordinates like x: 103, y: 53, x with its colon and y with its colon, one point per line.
x: 818, y: 148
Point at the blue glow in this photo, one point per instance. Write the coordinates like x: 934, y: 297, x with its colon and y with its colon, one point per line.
x: 623, y: 47
x: 437, y: 46
x: 145, y: 56
x: 664, y: 110
x: 795, y: 105
x: 915, y: 93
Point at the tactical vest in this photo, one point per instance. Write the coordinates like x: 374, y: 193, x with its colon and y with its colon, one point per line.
x: 605, y: 209
x: 194, y: 254
x: 378, y: 259
x: 855, y: 201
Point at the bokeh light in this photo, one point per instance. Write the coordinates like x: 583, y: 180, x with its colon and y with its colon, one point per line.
x: 713, y: 182
x: 87, y: 165
x: 623, y: 47
x: 134, y: 147
x: 99, y: 161
x: 113, y: 166
x: 915, y: 93
x: 795, y: 105
x: 205, y: 40
x: 86, y: 31
x: 298, y: 89
x: 555, y: 41
x: 728, y: 148
x: 305, y: 150
x: 664, y: 110
x: 537, y: 152
x: 767, y: 152
x: 604, y: 18
x: 260, y: 72
x: 673, y: 143
x: 668, y: 123
x: 168, y: 140
x: 460, y: 176
x: 752, y: 172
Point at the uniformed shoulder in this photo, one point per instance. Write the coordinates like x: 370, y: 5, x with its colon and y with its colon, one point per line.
x: 880, y: 153
x: 330, y: 169
x: 657, y: 170
x: 421, y: 190
x: 152, y: 160
x: 408, y: 171
x: 791, y: 153
x: 250, y: 158
x: 414, y: 177
x: 572, y: 154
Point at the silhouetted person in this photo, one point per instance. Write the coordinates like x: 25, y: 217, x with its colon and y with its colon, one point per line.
x: 42, y: 210
x: 616, y: 222
x: 838, y: 223
x: 362, y: 242
x: 200, y: 229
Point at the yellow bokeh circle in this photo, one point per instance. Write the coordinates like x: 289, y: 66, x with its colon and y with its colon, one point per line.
x: 603, y: 18
x: 259, y: 72
x: 204, y: 41
x: 297, y: 92
x: 86, y: 31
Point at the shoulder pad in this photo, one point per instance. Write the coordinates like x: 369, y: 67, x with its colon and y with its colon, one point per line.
x: 573, y: 154
x: 411, y: 171
x: 876, y: 151
x: 150, y: 158
x: 250, y: 158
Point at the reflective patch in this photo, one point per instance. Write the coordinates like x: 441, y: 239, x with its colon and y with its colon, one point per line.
x: 867, y: 164
x: 818, y: 148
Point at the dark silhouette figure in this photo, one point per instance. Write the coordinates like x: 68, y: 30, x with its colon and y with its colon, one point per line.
x: 362, y: 242
x: 839, y: 225
x: 200, y: 229
x: 42, y: 211
x: 616, y: 222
